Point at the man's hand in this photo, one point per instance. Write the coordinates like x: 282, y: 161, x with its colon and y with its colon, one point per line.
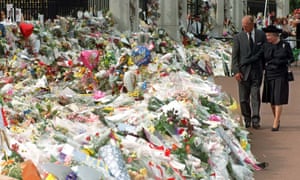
x: 238, y: 76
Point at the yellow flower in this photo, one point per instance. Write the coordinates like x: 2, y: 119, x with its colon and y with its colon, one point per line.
x: 15, y: 57
x: 233, y: 106
x: 51, y: 177
x: 155, y: 60
x: 16, y: 129
x: 244, y: 144
x: 135, y: 93
x: 108, y: 109
x: 151, y: 129
x: 88, y: 151
x: 80, y: 73
x: 143, y: 171
x: 133, y: 155
x: 130, y: 61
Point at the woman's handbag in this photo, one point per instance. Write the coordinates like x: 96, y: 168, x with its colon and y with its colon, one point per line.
x: 290, y: 75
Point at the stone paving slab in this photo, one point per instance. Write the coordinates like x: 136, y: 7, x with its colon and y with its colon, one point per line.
x: 279, y: 149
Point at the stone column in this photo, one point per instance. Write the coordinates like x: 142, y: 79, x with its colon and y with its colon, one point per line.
x: 237, y: 13
x: 282, y: 8
x: 125, y: 13
x: 183, y: 18
x: 120, y: 13
x: 134, y: 15
x: 169, y: 19
x: 219, y: 18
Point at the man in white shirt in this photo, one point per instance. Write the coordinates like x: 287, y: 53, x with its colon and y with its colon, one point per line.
x: 197, y: 27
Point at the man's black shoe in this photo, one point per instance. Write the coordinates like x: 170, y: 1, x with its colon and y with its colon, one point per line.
x: 263, y: 165
x: 248, y: 124
x: 256, y: 125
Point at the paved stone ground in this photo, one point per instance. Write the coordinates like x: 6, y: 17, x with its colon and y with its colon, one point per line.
x: 279, y: 149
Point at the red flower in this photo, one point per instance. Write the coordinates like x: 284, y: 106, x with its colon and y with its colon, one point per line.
x: 164, y: 74
x: 180, y: 131
x: 97, y: 134
x: 129, y: 160
x: 88, y: 138
x: 184, y: 122
x: 41, y: 63
x: 70, y: 62
x: 15, y: 147
x: 167, y: 152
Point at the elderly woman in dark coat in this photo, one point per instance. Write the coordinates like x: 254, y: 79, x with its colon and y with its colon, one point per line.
x: 277, y: 55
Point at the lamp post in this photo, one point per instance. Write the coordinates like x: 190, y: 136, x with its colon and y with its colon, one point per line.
x: 265, y: 12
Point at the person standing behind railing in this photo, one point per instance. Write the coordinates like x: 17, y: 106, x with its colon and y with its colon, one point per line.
x: 2, y: 27
x: 297, y: 27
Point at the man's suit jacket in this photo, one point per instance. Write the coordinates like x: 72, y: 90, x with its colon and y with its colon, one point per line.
x: 245, y: 60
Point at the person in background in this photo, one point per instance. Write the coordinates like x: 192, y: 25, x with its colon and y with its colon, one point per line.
x: 2, y: 16
x: 197, y: 27
x: 247, y: 69
x: 278, y: 55
x: 296, y: 28
x: 286, y: 26
x: 2, y: 26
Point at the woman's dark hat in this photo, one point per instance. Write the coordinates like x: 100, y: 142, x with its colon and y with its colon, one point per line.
x: 272, y: 29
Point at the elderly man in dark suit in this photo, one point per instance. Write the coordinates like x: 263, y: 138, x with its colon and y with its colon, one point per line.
x: 247, y: 68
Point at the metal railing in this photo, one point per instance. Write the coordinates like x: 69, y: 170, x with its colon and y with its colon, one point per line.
x: 98, y: 5
x: 49, y: 8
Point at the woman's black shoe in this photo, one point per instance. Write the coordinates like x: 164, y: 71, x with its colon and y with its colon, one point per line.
x: 263, y: 165
x: 277, y: 128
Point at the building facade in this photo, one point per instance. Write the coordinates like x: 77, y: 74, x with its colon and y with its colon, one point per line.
x: 172, y: 14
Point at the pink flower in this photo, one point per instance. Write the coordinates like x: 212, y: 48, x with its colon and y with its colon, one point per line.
x: 98, y: 95
x: 10, y: 92
x: 214, y: 117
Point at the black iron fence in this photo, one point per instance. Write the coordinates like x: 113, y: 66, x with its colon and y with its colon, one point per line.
x: 49, y: 8
x: 98, y: 5
x: 66, y: 7
x: 30, y: 8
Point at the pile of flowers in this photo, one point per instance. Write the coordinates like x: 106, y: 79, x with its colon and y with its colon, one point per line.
x: 96, y: 103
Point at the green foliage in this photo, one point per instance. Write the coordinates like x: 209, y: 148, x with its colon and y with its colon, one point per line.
x: 154, y: 103
x: 213, y: 108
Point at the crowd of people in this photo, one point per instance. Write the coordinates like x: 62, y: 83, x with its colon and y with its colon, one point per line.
x: 287, y: 24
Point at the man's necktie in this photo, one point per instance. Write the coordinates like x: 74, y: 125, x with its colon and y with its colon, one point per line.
x: 250, y: 41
